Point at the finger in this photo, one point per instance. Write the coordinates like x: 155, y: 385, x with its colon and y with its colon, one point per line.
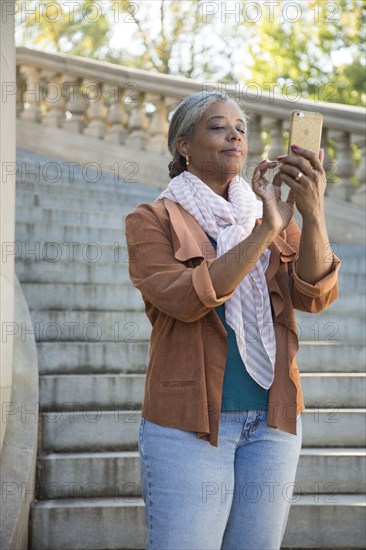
x: 266, y: 165
x: 291, y: 198
x: 299, y: 163
x: 308, y: 155
x: 277, y: 191
x: 277, y: 181
x: 292, y: 171
x: 321, y: 156
x: 294, y: 185
x: 258, y: 183
x: 258, y: 179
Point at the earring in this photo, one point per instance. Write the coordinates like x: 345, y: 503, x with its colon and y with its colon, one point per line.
x: 187, y: 160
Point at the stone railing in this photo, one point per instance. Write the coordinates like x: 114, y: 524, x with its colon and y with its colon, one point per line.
x: 131, y: 107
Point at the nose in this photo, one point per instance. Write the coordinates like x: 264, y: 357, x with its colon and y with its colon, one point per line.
x: 235, y: 134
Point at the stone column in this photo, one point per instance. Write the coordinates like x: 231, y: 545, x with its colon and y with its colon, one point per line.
x: 345, y: 168
x: 7, y: 208
x: 75, y: 104
x: 137, y: 125
x: 54, y: 99
x: 117, y: 116
x: 32, y: 95
x: 20, y: 91
x: 277, y: 146
x: 96, y: 112
x: 328, y: 163
x: 159, y: 126
x: 255, y: 147
x: 359, y: 196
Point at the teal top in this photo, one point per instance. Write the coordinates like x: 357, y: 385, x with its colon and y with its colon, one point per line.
x: 240, y: 391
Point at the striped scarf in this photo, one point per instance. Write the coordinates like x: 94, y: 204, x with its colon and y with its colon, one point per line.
x: 248, y: 310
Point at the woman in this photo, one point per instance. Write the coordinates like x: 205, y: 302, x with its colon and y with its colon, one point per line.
x: 220, y: 433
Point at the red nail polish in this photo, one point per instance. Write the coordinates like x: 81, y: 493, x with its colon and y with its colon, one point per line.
x: 296, y: 147
x: 281, y: 157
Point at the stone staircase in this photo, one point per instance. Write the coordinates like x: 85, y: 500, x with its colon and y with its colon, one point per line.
x: 93, y: 338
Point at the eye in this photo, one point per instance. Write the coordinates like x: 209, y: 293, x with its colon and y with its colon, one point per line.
x: 241, y: 130
x: 217, y: 127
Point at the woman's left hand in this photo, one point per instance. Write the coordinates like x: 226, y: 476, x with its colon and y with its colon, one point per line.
x: 306, y: 179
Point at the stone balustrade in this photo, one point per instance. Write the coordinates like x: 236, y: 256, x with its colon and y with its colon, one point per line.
x: 131, y: 107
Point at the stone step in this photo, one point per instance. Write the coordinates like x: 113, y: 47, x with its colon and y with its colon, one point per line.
x: 96, y: 190
x: 135, y: 326
x: 89, y: 525
x: 107, y: 183
x: 117, y: 326
x: 336, y: 357
x: 329, y: 326
x: 113, y: 357
x: 50, y: 251
x: 96, y: 430
x: 93, y: 357
x: 57, y: 262
x: 113, y: 203
x: 348, y: 282
x: 106, y: 391
x: 126, y: 391
x: 347, y: 301
x: 63, y: 271
x: 337, y: 389
x: 120, y: 523
x: 69, y: 232
x: 82, y: 296
x: 82, y: 216
x: 350, y: 252
x: 328, y: 522
x: 321, y: 471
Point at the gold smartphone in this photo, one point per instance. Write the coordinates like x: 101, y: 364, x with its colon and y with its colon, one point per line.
x: 305, y: 130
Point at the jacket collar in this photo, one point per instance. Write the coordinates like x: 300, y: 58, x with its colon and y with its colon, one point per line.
x: 184, y: 226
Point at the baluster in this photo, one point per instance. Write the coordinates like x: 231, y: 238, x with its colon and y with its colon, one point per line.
x: 137, y: 125
x: 255, y: 146
x: 171, y: 103
x: 328, y: 162
x: 159, y: 126
x: 276, y: 146
x: 96, y: 112
x: 32, y: 95
x: 117, y: 117
x: 75, y: 104
x: 359, y: 195
x: 345, y: 168
x: 54, y: 99
x: 20, y: 90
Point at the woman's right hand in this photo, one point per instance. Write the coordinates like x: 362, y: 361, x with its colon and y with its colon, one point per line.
x: 276, y: 213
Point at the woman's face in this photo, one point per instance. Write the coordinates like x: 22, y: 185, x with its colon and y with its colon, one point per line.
x: 218, y: 146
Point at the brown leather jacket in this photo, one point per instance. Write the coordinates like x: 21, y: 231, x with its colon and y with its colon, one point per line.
x: 169, y: 260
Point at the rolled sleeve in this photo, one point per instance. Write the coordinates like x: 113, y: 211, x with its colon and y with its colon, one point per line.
x: 318, y: 296
x: 203, y: 286
x: 182, y: 292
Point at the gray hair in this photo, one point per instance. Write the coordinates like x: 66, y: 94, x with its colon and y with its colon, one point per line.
x: 185, y: 116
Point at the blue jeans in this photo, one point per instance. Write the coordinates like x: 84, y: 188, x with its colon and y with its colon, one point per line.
x: 236, y: 496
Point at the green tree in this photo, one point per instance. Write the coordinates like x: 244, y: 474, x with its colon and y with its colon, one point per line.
x: 53, y: 26
x: 306, y: 55
x: 319, y: 55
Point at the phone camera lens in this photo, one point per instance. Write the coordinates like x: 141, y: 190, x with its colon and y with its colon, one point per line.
x: 297, y: 114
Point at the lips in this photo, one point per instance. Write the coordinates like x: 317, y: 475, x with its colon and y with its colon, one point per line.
x: 233, y: 151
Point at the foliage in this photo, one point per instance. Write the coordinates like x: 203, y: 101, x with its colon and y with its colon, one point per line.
x: 320, y: 56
